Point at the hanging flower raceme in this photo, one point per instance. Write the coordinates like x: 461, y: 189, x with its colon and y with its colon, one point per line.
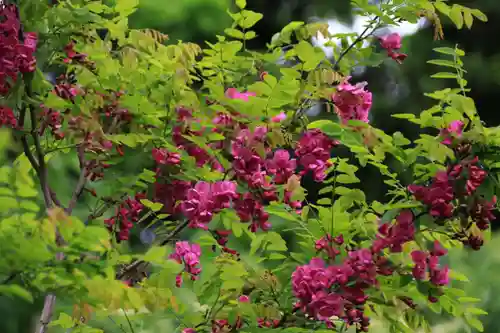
x: 7, y: 117
x: 394, y: 236
x: 437, y: 196
x: 188, y: 255
x: 325, y: 291
x: 313, y: 151
x: 352, y: 102
x: 126, y: 215
x: 392, y: 43
x: 281, y: 166
x: 16, y: 56
x: 427, y: 266
x: 205, y: 200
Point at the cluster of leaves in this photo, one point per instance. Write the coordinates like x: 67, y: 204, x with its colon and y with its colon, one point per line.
x: 225, y: 128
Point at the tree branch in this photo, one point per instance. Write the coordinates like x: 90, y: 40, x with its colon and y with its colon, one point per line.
x: 136, y: 263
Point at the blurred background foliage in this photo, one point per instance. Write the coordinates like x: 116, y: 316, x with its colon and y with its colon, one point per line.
x: 397, y: 89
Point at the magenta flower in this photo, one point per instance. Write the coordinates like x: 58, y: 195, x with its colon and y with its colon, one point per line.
x: 281, y: 166
x: 244, y: 299
x: 313, y: 151
x: 394, y: 236
x: 352, y: 102
x: 279, y: 118
x: 437, y: 196
x: 249, y: 209
x: 455, y: 129
x: 392, y: 43
x: 233, y: 93
x: 7, y: 117
x: 429, y: 262
x: 16, y: 56
x: 189, y: 255
x: 205, y: 200
x: 164, y: 157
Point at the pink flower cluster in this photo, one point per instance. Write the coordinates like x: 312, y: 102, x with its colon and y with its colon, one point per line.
x: 392, y: 43
x: 327, y: 291
x: 427, y: 266
x: 313, y: 151
x: 394, y: 236
x: 15, y: 56
x: 352, y: 102
x: 454, y: 130
x: 7, y: 117
x: 164, y: 157
x: 326, y: 244
x: 440, y: 193
x: 188, y: 255
x: 205, y: 200
x: 126, y: 215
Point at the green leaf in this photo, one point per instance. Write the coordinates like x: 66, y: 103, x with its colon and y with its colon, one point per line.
x: 347, y: 179
x: 250, y: 35
x: 154, y: 206
x: 400, y: 140
x: 458, y: 276
x: 476, y: 311
x: 241, y: 4
x: 479, y: 15
x: 475, y: 323
x: 445, y: 75
x: 445, y: 50
x: 156, y: 255
x: 15, y: 290
x: 64, y: 321
x: 328, y: 127
x: 468, y: 19
x: 235, y: 33
x: 249, y: 19
x: 442, y: 62
x: 456, y: 16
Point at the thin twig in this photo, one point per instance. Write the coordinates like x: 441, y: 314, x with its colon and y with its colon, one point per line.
x: 81, y: 180
x: 119, y: 325
x: 128, y: 320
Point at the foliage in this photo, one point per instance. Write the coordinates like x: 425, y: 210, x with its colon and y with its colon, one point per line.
x: 225, y: 132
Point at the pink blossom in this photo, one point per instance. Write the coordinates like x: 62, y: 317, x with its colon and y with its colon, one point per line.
x: 189, y: 255
x: 7, y: 117
x: 437, y: 196
x: 164, y: 157
x: 393, y: 236
x: 455, y: 129
x: 244, y: 299
x: 233, y: 93
x: 279, y: 118
x: 281, y: 166
x: 392, y: 43
x: 352, y: 102
x: 206, y: 199
x: 429, y: 262
x: 249, y: 209
x: 313, y: 150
